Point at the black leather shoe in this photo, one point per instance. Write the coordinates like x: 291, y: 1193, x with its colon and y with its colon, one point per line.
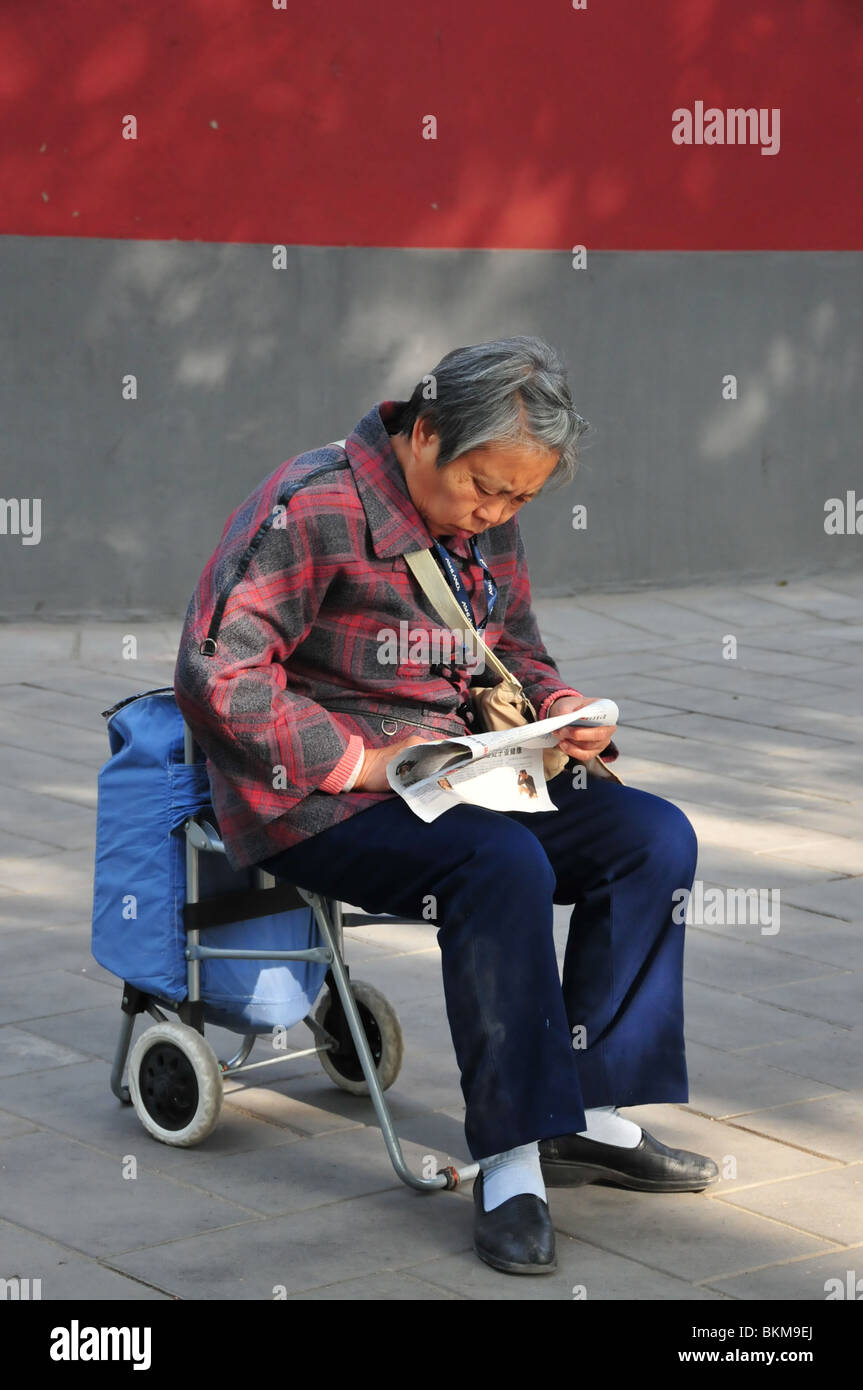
x: 517, y: 1237
x: 650, y: 1167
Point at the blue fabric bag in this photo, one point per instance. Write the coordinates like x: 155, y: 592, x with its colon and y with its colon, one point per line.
x: 145, y: 793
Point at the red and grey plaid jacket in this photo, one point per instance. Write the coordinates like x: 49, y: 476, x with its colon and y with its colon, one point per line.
x: 279, y: 673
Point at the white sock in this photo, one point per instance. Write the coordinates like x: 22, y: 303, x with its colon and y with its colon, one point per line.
x: 607, y: 1127
x: 510, y: 1173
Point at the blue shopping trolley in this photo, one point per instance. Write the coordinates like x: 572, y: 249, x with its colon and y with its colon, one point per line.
x: 196, y: 942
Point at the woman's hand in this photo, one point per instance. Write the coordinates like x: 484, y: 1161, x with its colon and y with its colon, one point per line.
x: 373, y: 773
x: 582, y: 744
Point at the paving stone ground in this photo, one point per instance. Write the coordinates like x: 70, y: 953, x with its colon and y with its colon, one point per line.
x: 763, y: 751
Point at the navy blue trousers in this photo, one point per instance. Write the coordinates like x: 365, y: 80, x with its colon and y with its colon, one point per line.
x: 533, y: 1051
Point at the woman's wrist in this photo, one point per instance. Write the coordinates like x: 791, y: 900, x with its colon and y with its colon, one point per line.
x: 351, y: 783
x: 343, y: 776
x: 544, y: 711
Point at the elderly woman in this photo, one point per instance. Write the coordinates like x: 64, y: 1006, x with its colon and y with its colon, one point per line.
x: 285, y: 683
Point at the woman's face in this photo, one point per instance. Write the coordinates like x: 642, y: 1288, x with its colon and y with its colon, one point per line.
x: 481, y: 489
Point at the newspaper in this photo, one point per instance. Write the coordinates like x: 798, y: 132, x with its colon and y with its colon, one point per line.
x: 502, y: 770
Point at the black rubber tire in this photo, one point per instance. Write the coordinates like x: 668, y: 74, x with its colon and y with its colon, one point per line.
x: 383, y: 1030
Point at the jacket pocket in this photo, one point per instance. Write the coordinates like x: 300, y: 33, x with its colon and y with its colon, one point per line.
x: 391, y: 725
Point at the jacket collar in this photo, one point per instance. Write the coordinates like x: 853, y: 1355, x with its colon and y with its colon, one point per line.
x: 395, y: 524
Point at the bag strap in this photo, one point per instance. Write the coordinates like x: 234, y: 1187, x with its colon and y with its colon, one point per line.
x: 427, y: 574
x: 443, y: 600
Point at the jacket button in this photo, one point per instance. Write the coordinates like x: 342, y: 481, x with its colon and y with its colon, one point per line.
x: 389, y: 731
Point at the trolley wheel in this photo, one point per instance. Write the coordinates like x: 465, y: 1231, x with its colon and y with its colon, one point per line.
x: 175, y: 1083
x: 382, y: 1029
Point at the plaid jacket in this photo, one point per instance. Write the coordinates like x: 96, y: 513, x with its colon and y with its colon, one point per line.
x: 279, y: 672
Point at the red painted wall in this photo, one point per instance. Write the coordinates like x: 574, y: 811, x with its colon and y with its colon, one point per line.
x: 303, y: 125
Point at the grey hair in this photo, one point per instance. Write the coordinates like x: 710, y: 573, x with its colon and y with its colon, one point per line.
x: 511, y: 391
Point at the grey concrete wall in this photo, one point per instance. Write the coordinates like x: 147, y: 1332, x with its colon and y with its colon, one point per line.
x: 239, y: 367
